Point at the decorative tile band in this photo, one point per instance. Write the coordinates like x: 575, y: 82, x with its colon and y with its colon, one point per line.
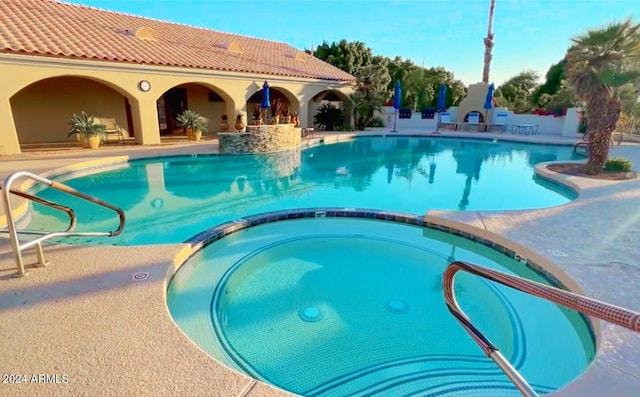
x: 220, y: 231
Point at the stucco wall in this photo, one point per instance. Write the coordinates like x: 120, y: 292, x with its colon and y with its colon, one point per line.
x: 260, y: 139
x: 42, y: 110
x: 18, y: 72
x: 198, y: 101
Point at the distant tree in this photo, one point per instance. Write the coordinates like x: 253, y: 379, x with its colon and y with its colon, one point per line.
x: 553, y: 81
x: 517, y: 91
x: 419, y: 84
x: 456, y: 92
x: 398, y: 69
x: 348, y: 56
x: 564, y: 98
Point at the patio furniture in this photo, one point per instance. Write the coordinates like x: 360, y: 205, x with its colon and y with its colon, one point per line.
x: 499, y: 122
x: 473, y: 122
x: 526, y: 129
x: 111, y: 128
x: 445, y: 121
x: 307, y: 132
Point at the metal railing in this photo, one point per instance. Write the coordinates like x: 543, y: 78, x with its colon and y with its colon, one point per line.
x: 44, y: 235
x: 592, y: 307
x: 632, y: 127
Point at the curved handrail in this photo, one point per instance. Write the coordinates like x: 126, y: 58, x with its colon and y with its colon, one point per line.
x: 618, y: 315
x: 13, y: 232
x: 579, y: 144
x: 68, y: 210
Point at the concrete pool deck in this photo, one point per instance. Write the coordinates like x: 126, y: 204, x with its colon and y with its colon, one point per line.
x: 84, y: 316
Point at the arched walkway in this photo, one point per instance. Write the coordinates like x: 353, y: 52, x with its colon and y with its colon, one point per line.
x: 330, y: 98
x: 208, y: 101
x: 42, y: 110
x: 283, y: 103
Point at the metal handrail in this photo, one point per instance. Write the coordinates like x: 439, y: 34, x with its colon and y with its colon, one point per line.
x: 623, y: 317
x: 69, y: 211
x: 13, y: 232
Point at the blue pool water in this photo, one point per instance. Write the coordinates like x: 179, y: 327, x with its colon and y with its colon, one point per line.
x: 169, y: 199
x: 347, y: 307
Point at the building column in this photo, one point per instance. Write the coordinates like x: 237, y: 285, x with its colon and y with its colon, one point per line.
x: 304, y: 114
x: 144, y: 113
x: 9, y: 142
x: 237, y: 104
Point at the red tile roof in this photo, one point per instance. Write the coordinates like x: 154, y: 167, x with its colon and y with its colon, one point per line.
x: 53, y: 28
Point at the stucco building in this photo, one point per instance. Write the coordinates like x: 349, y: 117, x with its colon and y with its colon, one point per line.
x: 57, y: 59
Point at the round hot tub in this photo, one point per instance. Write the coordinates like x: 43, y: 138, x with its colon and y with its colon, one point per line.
x: 343, y: 306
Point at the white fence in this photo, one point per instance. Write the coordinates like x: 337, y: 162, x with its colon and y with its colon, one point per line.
x: 632, y: 127
x: 548, y: 125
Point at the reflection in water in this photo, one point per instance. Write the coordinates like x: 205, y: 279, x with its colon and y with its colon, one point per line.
x: 172, y: 199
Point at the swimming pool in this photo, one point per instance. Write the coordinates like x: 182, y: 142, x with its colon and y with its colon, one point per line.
x: 169, y: 199
x: 335, y: 307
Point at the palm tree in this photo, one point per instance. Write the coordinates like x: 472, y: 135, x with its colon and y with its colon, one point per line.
x: 371, y: 93
x: 488, y: 45
x: 602, y: 65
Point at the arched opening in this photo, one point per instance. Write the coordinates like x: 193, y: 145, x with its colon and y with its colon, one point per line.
x: 283, y: 104
x: 480, y: 116
x: 209, y: 102
x: 327, y: 107
x: 42, y: 110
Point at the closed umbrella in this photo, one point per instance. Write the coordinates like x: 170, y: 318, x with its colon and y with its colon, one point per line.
x: 488, y: 102
x: 442, y: 97
x: 441, y: 104
x: 266, y: 102
x: 397, y: 102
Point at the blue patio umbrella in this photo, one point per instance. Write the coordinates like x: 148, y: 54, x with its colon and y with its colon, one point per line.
x: 488, y: 103
x: 266, y: 102
x: 397, y: 102
x: 441, y: 105
x: 442, y: 98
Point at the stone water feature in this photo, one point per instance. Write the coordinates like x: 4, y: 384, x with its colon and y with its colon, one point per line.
x: 260, y: 139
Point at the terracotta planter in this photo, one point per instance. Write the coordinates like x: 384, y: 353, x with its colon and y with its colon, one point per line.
x: 239, y: 125
x: 93, y: 141
x: 84, y: 142
x: 189, y: 134
x: 224, y: 125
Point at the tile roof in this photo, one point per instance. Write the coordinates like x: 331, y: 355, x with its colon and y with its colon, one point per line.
x: 53, y: 28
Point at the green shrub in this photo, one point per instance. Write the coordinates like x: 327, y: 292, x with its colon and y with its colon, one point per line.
x: 618, y: 164
x: 376, y: 122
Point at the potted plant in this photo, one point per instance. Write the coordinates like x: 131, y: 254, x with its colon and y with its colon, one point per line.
x: 239, y: 124
x: 193, y: 123
x: 285, y: 115
x: 276, y: 111
x: 87, y: 129
x: 224, y: 123
x: 257, y: 115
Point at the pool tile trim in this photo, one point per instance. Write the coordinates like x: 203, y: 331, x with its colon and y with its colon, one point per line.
x: 209, y: 236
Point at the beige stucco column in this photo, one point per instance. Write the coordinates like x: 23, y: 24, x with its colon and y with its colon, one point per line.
x: 305, y: 122
x: 145, y: 120
x: 9, y: 143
